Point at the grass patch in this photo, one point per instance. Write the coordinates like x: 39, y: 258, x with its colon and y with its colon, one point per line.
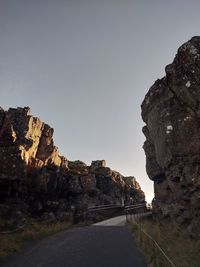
x: 183, y: 250
x: 13, y: 242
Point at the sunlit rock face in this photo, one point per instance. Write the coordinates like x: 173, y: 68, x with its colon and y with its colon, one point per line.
x: 35, y: 179
x: 171, y: 111
x: 31, y: 138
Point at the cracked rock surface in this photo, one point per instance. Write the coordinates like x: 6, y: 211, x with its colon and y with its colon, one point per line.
x: 36, y: 180
x: 171, y: 111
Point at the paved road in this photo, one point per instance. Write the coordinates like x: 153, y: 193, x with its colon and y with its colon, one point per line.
x: 92, y: 246
x: 116, y: 221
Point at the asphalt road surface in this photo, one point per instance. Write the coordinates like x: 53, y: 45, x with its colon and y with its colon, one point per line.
x: 106, y: 244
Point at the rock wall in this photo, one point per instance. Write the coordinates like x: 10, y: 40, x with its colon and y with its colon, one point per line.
x: 171, y: 111
x: 35, y: 179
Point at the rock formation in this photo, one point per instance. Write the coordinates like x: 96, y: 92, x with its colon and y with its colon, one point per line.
x: 36, y: 180
x: 171, y: 111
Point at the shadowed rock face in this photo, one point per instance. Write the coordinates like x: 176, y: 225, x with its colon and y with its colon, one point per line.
x: 171, y: 111
x: 35, y: 179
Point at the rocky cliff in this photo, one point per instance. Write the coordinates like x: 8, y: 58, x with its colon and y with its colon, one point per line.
x: 171, y: 111
x: 36, y: 180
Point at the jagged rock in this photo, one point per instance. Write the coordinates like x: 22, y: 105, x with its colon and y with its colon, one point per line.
x: 88, y: 182
x: 43, y: 183
x: 28, y: 140
x: 48, y: 218
x: 132, y: 183
x: 77, y: 167
x: 64, y: 216
x: 74, y: 184
x: 171, y: 111
x: 98, y: 163
x: 133, y: 190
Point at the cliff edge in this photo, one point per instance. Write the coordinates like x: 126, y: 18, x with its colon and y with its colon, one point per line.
x: 171, y: 111
x: 36, y: 181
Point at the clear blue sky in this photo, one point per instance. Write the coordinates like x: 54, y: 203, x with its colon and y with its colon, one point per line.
x: 84, y: 67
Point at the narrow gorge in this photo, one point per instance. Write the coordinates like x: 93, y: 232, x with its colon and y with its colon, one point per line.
x: 36, y: 181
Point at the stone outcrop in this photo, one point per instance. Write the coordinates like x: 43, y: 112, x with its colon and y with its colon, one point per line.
x: 171, y: 111
x: 36, y: 180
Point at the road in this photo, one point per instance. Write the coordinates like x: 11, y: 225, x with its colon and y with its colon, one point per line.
x: 106, y: 244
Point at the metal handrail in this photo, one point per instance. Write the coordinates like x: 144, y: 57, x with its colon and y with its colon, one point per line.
x: 105, y: 208
x: 101, y: 206
x: 135, y: 206
x: 138, y: 207
x: 110, y: 206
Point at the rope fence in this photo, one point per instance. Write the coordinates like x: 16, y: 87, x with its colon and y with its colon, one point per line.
x: 15, y: 230
x: 134, y: 218
x: 158, y: 246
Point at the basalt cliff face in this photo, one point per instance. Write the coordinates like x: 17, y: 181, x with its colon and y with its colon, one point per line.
x: 36, y: 180
x: 171, y: 111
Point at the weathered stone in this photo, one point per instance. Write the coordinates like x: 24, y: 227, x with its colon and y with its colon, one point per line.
x: 133, y: 190
x: 98, y: 163
x: 74, y: 184
x: 78, y: 167
x: 48, y: 218
x: 64, y: 217
x: 43, y: 183
x: 88, y: 182
x: 171, y: 111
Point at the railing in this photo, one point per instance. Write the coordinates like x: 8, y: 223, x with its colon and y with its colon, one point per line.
x: 14, y: 230
x: 108, y: 205
x: 135, y: 207
x: 95, y: 213
x: 105, y: 207
x: 126, y: 208
x: 157, y: 251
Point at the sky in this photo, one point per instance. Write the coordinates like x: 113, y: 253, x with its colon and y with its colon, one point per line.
x: 84, y: 67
